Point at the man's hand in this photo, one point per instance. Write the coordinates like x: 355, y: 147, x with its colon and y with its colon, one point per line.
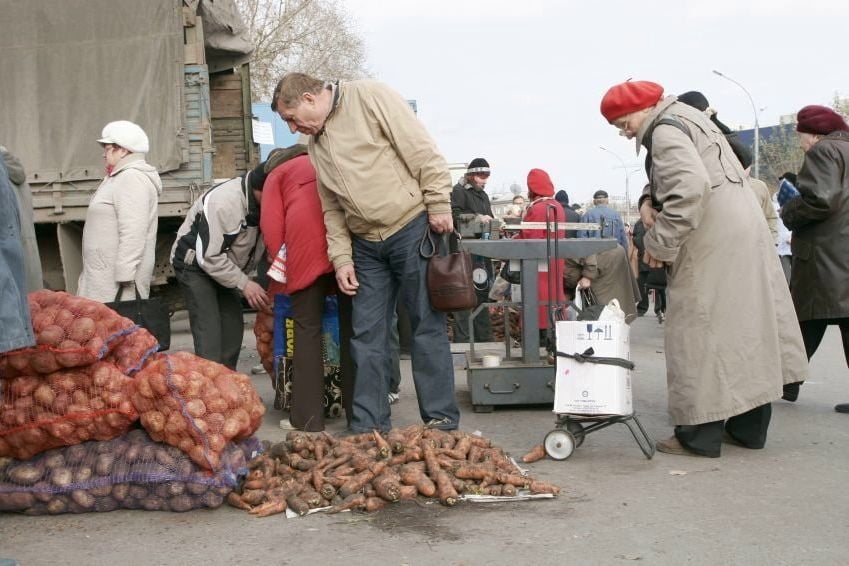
x: 346, y: 278
x: 441, y: 223
x: 647, y: 213
x: 584, y: 283
x: 650, y: 261
x: 484, y: 218
x: 256, y: 296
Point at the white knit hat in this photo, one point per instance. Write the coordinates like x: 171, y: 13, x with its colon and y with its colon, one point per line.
x: 126, y: 134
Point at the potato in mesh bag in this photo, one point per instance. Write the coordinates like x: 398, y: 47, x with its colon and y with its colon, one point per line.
x: 128, y: 472
x: 196, y: 405
x: 39, y: 412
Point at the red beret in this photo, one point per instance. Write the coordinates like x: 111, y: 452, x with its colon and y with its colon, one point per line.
x: 629, y: 97
x: 819, y: 120
x: 540, y: 183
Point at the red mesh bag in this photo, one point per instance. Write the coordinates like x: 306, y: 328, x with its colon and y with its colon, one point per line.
x: 264, y: 332
x: 132, y: 351
x: 70, y: 331
x: 196, y: 405
x: 63, y: 408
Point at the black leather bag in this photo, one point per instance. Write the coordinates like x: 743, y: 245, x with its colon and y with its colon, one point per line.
x: 151, y: 314
x: 449, y: 276
x: 591, y: 309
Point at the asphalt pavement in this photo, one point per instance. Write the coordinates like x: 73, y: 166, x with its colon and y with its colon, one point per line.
x: 785, y: 504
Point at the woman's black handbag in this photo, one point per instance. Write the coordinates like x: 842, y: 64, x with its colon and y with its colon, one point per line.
x: 151, y: 314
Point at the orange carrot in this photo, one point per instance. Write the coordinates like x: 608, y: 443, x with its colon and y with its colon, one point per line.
x: 543, y: 487
x: 447, y: 493
x: 536, y: 453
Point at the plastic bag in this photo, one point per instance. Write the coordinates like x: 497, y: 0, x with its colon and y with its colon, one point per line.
x: 129, y: 472
x: 196, y: 405
x: 612, y: 312
x: 70, y: 332
x: 500, y: 288
x: 284, y: 351
x: 63, y: 408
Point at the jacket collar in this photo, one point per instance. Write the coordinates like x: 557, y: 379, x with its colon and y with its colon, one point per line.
x: 335, y: 97
x: 838, y: 135
x: 647, y: 124
x: 127, y: 162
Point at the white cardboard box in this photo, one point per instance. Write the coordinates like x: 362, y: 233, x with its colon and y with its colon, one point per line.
x: 587, y: 388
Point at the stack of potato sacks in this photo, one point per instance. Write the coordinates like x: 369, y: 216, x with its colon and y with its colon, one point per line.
x: 68, y: 404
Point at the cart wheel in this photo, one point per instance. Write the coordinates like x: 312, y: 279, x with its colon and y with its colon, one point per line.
x: 559, y: 444
x: 577, y: 431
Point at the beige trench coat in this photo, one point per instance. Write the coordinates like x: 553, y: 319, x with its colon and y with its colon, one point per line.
x: 732, y: 339
x: 119, y: 237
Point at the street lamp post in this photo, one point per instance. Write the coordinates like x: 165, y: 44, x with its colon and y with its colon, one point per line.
x: 627, y: 183
x: 757, y: 125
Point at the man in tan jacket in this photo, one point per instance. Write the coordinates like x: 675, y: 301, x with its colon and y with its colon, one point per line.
x: 382, y: 184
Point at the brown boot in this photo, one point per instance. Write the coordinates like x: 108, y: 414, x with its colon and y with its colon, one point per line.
x: 673, y: 446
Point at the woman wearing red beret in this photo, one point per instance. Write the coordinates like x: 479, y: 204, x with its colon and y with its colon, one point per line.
x: 731, y: 343
x: 819, y: 219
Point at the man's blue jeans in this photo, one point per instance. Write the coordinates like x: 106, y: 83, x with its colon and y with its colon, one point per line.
x: 383, y: 269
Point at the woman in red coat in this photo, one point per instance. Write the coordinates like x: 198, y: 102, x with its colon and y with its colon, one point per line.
x: 291, y: 216
x: 544, y: 207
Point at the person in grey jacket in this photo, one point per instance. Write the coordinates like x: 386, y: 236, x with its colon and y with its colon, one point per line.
x: 217, y: 246
x: 15, y: 324
x: 32, y: 258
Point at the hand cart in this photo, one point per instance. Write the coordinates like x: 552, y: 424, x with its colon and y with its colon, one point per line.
x: 572, y: 429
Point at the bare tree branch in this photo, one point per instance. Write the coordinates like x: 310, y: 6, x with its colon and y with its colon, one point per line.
x: 309, y: 36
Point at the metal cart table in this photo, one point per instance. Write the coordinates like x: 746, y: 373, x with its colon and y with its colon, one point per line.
x: 529, y: 379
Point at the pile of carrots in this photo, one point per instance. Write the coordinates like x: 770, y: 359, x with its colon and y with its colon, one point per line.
x: 367, y: 471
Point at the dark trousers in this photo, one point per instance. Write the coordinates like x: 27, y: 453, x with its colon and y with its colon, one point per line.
x: 749, y: 429
x: 385, y: 268
x: 643, y: 305
x: 814, y: 330
x: 659, y: 299
x: 482, y: 323
x: 307, y: 407
x: 215, y: 317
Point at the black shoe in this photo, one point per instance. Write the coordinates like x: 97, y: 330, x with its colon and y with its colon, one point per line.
x: 842, y: 408
x: 441, y: 424
x: 791, y: 391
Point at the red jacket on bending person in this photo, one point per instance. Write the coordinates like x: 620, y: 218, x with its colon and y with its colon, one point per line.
x: 541, y: 193
x: 291, y: 215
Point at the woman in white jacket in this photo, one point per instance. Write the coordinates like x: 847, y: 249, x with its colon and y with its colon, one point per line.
x: 119, y: 238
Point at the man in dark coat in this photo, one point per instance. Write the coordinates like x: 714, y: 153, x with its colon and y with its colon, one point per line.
x: 571, y: 216
x: 469, y: 197
x: 819, y: 220
x: 639, y: 233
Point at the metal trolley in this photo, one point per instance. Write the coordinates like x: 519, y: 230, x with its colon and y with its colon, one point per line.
x: 571, y: 429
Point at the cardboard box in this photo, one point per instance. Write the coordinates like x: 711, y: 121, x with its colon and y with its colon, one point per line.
x: 588, y: 388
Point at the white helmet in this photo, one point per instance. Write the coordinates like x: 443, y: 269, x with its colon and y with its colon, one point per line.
x: 126, y: 134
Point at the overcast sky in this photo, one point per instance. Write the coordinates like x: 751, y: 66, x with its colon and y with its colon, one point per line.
x: 519, y: 82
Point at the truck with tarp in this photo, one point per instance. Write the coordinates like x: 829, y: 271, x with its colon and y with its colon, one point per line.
x: 178, y: 68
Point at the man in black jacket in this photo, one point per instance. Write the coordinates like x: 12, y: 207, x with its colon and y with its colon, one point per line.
x: 469, y: 197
